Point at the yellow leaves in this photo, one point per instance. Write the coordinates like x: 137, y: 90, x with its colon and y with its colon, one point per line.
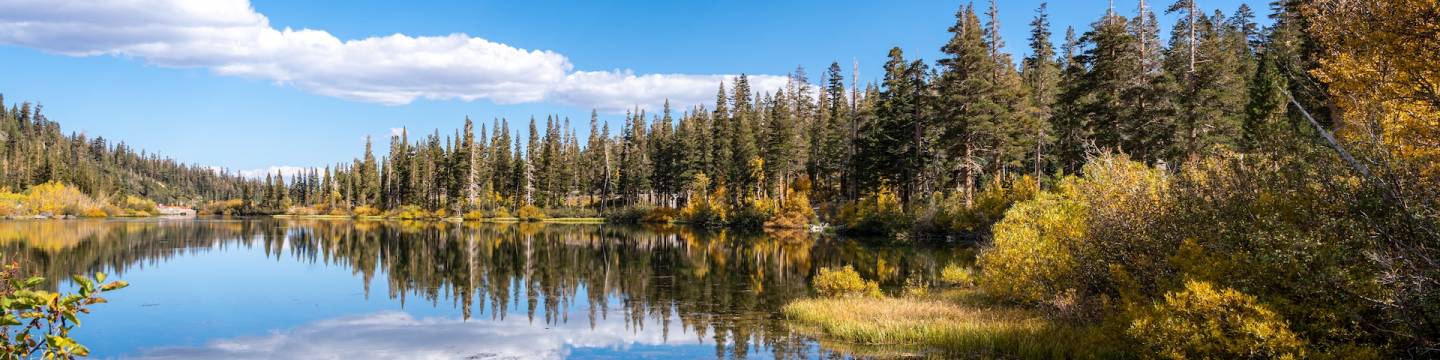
x: 844, y: 282
x: 1378, y: 60
x: 1031, y: 259
x: 1201, y: 322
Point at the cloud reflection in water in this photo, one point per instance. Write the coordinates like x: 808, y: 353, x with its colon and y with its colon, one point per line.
x: 398, y: 335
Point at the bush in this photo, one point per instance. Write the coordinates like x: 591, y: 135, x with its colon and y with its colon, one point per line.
x: 135, y: 205
x: 794, y: 213
x: 878, y: 213
x: 660, y: 215
x: 37, y: 323
x: 221, y: 207
x: 957, y: 276
x: 500, y: 213
x: 58, y: 199
x: 531, y: 213
x: 407, y: 212
x: 1201, y: 322
x: 366, y: 210
x: 1030, y: 258
x: 844, y: 282
x: 987, y: 208
x: 99, y: 213
x: 473, y: 215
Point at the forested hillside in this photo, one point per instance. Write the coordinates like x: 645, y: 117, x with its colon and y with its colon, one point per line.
x: 35, y: 150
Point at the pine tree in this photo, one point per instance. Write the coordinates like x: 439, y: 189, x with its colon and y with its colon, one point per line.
x: 1041, y: 73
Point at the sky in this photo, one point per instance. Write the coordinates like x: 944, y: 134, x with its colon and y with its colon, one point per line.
x: 263, y: 85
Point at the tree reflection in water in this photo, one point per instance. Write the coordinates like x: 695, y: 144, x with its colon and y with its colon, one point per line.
x: 721, y: 285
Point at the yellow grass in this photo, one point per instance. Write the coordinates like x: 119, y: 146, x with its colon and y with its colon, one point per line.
x: 952, y: 323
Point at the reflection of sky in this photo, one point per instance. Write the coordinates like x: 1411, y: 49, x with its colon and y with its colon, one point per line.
x: 235, y: 302
x: 397, y: 335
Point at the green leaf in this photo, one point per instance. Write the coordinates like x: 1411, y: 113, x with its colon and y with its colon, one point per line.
x: 34, y: 281
x: 9, y: 320
x: 100, y: 277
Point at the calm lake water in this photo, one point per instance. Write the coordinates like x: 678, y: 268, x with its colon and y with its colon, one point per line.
x: 335, y: 289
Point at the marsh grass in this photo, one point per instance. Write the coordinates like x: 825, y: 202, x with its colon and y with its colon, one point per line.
x: 951, y: 323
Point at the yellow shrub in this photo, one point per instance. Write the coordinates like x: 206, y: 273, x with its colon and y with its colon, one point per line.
x: 56, y: 198
x: 1030, y: 259
x: 500, y: 212
x: 795, y: 213
x: 11, y: 204
x: 1201, y: 322
x: 96, y: 213
x: 957, y: 276
x: 474, y: 215
x: 531, y: 213
x: 843, y: 282
x: 407, y: 212
x: 135, y: 204
x: 366, y: 210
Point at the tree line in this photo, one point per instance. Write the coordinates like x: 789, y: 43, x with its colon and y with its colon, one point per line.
x: 926, y: 131
x: 34, y: 151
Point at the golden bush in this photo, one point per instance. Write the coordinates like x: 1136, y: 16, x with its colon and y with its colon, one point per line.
x: 1201, y: 322
x: 531, y: 213
x: 843, y: 282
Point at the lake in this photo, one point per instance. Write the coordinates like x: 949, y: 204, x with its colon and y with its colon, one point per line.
x: 340, y: 289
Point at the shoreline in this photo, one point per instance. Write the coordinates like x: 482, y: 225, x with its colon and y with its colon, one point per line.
x: 566, y: 220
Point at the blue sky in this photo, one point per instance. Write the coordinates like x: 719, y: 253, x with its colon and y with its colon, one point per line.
x: 163, y: 78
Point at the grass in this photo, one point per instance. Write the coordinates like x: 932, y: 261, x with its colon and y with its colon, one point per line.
x: 950, y: 323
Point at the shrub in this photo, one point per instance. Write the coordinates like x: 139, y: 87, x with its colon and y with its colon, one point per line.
x: 843, y: 282
x: 99, y: 213
x: 407, y: 212
x: 473, y: 215
x: 877, y: 213
x: 915, y: 286
x: 11, y: 204
x: 58, y: 199
x: 531, y: 213
x: 366, y: 210
x: 1201, y: 322
x: 794, y: 213
x: 957, y: 276
x: 36, y: 323
x: 221, y: 207
x: 987, y: 208
x: 753, y: 214
x: 134, y: 205
x: 500, y: 213
x: 1030, y: 257
x: 660, y: 215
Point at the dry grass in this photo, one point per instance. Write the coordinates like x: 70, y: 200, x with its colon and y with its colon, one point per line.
x: 955, y: 323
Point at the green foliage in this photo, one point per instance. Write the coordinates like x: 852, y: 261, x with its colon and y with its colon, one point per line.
x: 37, y: 323
x: 987, y: 208
x: 843, y: 282
x: 1201, y: 322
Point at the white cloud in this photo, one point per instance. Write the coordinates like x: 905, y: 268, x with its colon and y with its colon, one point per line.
x: 230, y: 38
x: 397, y: 335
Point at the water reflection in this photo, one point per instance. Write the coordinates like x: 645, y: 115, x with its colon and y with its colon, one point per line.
x: 582, y: 285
